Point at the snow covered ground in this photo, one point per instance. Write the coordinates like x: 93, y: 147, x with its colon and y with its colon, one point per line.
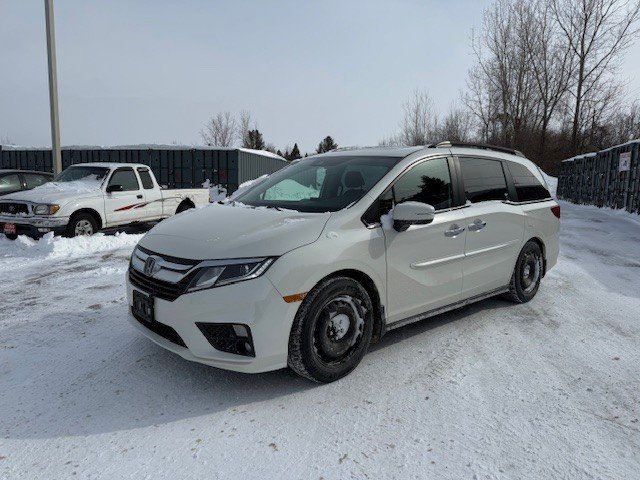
x: 550, y: 389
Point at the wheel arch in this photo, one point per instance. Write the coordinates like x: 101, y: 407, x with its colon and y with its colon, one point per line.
x: 186, y: 202
x: 94, y: 213
x: 542, y: 246
x: 369, y: 285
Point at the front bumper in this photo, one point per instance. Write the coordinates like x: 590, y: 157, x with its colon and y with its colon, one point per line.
x: 255, y: 303
x: 35, y: 226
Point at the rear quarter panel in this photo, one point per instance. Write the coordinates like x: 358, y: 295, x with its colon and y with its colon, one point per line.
x: 540, y: 222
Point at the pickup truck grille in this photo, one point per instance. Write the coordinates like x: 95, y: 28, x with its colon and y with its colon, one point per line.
x: 157, y: 288
x: 13, y: 208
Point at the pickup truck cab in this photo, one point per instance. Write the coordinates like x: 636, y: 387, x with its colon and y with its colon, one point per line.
x: 88, y: 197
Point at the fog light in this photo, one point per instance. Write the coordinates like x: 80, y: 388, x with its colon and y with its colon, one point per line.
x: 240, y: 331
x: 229, y: 337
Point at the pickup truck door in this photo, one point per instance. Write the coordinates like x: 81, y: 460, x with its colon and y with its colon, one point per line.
x: 152, y: 210
x: 123, y: 206
x: 424, y: 263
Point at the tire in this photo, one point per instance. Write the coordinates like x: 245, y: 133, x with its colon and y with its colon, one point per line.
x: 81, y: 224
x: 331, y: 331
x: 184, y: 206
x: 525, y: 280
x: 11, y: 236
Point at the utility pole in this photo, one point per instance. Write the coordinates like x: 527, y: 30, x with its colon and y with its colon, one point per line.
x: 53, y: 88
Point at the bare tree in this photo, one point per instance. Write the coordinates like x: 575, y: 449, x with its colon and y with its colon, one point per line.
x: 420, y: 122
x: 552, y: 63
x: 456, y: 125
x: 219, y: 131
x: 245, y: 127
x: 597, y: 32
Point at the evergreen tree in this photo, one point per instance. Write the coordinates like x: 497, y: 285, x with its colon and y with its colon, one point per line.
x: 326, y: 145
x: 255, y: 140
x: 295, y: 153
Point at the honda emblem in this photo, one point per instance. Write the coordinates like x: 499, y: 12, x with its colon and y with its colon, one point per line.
x: 151, y: 266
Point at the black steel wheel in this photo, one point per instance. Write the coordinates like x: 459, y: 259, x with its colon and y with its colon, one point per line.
x: 526, y: 277
x: 331, y: 331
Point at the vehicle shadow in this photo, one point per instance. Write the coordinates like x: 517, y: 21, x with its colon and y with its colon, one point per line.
x: 420, y: 327
x: 123, y: 381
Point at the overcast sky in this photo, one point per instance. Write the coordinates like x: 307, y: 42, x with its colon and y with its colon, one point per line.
x: 153, y: 71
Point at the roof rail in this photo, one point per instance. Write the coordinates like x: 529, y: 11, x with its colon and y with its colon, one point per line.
x: 482, y: 146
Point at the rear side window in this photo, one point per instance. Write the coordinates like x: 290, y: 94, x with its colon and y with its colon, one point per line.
x: 528, y: 187
x: 34, y: 180
x: 125, y: 177
x: 145, y: 177
x: 483, y: 179
x: 428, y: 182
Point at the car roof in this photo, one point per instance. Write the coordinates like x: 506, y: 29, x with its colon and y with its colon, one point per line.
x: 13, y: 170
x: 108, y: 165
x: 444, y: 148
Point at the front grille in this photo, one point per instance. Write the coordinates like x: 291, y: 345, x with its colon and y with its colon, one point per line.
x: 158, y: 288
x: 165, y: 331
x: 13, y: 208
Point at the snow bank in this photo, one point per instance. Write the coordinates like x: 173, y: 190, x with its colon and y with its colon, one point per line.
x: 217, y: 193
x: 50, y: 247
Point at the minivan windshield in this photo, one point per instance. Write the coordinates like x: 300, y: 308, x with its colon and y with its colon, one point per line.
x: 72, y: 174
x: 323, y: 184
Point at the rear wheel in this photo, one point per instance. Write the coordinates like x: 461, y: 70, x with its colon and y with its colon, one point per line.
x: 526, y: 277
x: 82, y: 224
x: 331, y: 331
x: 11, y: 236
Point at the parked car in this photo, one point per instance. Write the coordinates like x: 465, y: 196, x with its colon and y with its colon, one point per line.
x: 12, y: 181
x: 88, y: 197
x: 310, y: 266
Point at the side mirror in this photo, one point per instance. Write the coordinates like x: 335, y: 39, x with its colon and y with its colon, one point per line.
x: 115, y: 188
x: 412, y: 213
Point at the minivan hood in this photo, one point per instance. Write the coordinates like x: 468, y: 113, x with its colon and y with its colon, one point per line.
x: 226, y: 231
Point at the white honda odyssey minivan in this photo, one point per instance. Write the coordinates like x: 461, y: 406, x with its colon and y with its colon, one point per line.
x: 311, y: 265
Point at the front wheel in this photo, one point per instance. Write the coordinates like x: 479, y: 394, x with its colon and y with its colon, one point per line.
x: 82, y: 224
x: 331, y: 331
x: 526, y: 277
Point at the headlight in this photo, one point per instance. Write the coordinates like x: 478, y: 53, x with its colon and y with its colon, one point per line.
x: 46, y: 209
x: 225, y: 273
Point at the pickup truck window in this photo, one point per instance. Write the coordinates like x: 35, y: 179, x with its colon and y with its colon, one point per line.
x: 125, y: 177
x: 72, y: 174
x: 145, y: 177
x: 34, y: 180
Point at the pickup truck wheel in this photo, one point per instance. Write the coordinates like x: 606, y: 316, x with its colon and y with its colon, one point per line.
x: 82, y: 224
x: 331, y: 331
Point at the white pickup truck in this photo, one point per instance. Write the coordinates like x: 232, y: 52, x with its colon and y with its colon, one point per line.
x: 88, y: 197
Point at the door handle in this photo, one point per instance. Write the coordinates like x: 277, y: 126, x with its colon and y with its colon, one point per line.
x: 454, y: 231
x: 138, y: 196
x: 477, y: 225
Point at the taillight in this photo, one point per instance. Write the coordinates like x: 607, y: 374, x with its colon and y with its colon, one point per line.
x: 556, y: 211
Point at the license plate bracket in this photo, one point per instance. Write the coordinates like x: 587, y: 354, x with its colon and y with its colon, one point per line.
x: 9, y: 229
x: 142, y: 306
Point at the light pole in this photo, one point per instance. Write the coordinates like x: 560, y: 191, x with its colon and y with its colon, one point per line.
x: 53, y: 88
